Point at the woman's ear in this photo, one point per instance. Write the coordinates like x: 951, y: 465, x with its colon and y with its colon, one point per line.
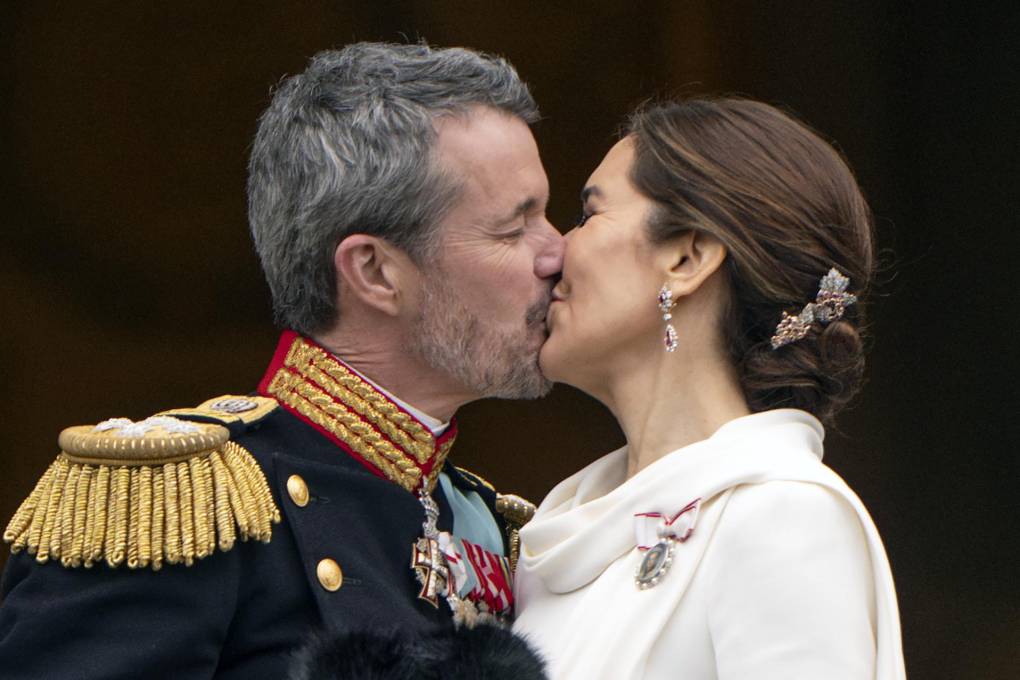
x: 690, y: 259
x: 373, y: 272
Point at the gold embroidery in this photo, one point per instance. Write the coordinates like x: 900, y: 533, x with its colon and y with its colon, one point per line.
x: 362, y: 398
x: 318, y: 387
x: 159, y: 499
x: 444, y: 450
x: 332, y: 416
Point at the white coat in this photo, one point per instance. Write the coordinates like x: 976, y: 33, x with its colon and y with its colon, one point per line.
x: 784, y: 575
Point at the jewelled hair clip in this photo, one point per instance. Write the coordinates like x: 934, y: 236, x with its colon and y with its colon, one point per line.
x: 829, y: 305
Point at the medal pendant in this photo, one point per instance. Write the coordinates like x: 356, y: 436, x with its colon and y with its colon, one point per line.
x: 667, y: 532
x: 430, y: 568
x: 655, y: 564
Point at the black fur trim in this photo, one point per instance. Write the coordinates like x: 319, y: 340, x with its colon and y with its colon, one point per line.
x: 493, y: 653
x: 480, y: 653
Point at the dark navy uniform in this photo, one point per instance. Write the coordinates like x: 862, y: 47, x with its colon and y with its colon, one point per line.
x: 343, y: 465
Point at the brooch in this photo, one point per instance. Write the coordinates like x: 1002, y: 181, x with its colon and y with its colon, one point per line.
x: 666, y: 532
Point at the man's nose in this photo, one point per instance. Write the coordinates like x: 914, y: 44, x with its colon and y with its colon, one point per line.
x: 549, y: 261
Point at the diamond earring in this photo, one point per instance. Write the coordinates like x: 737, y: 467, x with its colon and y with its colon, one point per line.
x: 666, y: 305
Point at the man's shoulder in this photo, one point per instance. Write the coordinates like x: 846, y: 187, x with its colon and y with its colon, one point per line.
x: 236, y: 412
x: 514, y: 509
x: 175, y: 487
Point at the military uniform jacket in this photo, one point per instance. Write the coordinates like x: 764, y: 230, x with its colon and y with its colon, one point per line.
x: 341, y: 465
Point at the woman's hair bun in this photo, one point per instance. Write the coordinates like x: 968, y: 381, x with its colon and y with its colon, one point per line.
x: 819, y: 373
x: 788, y: 209
x: 840, y: 347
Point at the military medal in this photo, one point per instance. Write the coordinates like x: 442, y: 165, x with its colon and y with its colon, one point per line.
x: 667, y: 532
x: 427, y: 559
x: 474, y: 582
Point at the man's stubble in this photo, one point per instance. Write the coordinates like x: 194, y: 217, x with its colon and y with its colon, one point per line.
x: 451, y: 338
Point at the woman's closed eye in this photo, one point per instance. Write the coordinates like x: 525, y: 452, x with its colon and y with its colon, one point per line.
x: 582, y: 219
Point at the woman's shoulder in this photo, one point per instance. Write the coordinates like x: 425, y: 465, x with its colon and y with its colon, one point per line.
x: 781, y: 505
x: 790, y: 561
x: 791, y: 523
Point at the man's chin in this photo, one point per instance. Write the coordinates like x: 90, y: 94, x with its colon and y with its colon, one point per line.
x: 524, y: 380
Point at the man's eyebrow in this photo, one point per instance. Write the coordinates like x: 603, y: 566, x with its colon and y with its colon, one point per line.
x: 589, y: 191
x: 524, y: 207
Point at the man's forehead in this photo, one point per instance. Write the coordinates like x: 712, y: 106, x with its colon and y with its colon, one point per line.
x: 484, y: 137
x: 495, y: 158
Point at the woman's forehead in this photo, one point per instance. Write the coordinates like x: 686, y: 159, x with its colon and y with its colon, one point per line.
x: 611, y: 177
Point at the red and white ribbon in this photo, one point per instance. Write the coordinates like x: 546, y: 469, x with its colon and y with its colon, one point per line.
x: 652, y: 527
x: 477, y: 574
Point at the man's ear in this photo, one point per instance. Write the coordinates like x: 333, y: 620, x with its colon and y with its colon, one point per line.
x: 374, y: 272
x: 690, y: 259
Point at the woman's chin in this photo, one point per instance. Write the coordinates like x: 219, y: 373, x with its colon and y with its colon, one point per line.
x: 555, y: 360
x: 548, y: 360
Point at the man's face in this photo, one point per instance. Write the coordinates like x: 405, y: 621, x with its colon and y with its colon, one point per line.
x: 484, y: 300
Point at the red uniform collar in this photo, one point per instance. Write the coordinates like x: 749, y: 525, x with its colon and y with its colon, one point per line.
x: 327, y: 394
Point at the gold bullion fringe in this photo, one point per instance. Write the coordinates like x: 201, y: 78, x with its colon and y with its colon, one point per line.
x: 144, y: 515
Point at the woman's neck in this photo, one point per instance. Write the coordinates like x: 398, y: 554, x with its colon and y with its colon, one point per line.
x: 668, y: 402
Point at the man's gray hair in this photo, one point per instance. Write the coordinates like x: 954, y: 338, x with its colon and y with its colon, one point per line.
x: 346, y: 148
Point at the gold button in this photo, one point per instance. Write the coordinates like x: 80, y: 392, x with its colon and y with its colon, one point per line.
x: 298, y: 490
x: 329, y: 574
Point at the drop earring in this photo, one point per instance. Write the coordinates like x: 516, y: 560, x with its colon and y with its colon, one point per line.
x: 666, y: 305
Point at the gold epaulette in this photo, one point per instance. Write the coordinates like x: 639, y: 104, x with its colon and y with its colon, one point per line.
x: 161, y: 490
x: 516, y: 512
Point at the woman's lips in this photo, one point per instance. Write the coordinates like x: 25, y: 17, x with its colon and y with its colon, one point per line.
x: 549, y: 314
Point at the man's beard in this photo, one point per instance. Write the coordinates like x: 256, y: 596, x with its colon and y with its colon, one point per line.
x: 451, y: 338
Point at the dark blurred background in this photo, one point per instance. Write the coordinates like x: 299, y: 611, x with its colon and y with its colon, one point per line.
x: 129, y: 284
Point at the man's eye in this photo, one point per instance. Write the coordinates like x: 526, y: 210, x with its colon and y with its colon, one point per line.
x: 584, y: 217
x: 513, y: 235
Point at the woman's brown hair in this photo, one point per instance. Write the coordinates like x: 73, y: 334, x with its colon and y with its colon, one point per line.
x: 788, y: 209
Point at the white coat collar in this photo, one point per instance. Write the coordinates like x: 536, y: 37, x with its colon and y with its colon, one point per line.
x: 585, y: 523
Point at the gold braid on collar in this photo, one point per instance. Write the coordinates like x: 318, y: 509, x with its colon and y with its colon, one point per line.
x: 324, y: 392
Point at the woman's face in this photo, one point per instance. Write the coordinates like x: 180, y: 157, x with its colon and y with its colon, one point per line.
x: 604, y: 310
